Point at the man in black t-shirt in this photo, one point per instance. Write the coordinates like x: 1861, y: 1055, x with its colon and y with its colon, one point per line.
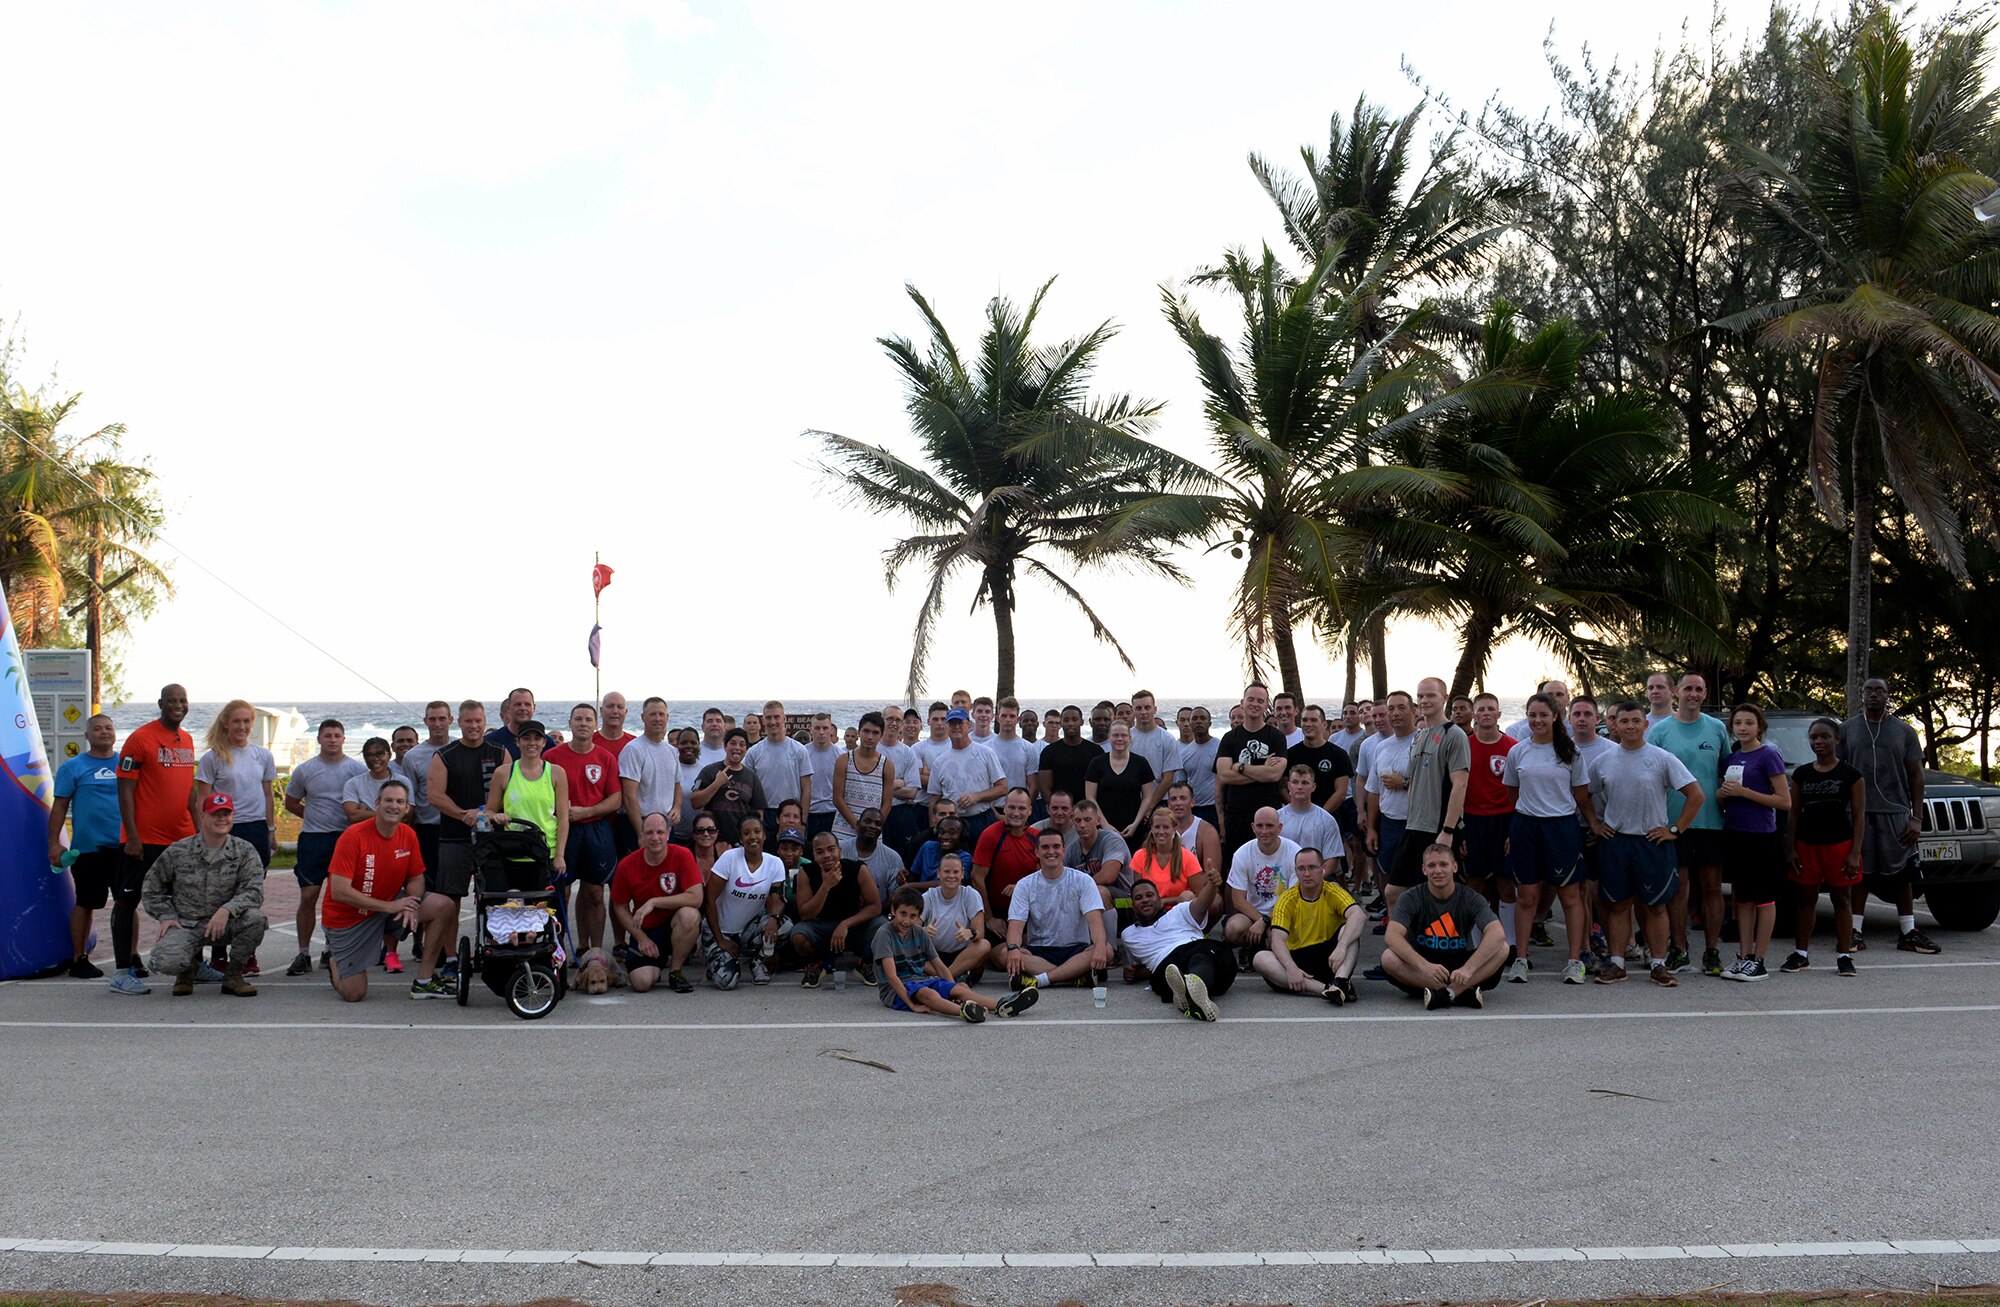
x: 1332, y: 769
x: 1063, y: 764
x: 1249, y: 770
x: 458, y: 779
x: 1443, y: 942
x: 839, y: 909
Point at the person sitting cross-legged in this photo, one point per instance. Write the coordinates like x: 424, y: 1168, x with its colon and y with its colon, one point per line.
x: 1166, y: 943
x: 1443, y: 943
x: 911, y: 978
x: 1055, y: 923
x: 1315, y: 935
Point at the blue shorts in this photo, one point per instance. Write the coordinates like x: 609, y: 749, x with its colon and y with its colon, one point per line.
x: 1486, y: 844
x: 315, y: 857
x: 1056, y: 954
x: 1389, y: 840
x: 1633, y: 867
x: 942, y: 988
x: 592, y: 852
x: 1545, y: 849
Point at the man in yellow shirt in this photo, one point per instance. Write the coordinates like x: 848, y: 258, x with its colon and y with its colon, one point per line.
x: 1315, y: 936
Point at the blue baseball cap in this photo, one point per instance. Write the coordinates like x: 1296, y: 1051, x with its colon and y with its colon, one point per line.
x: 958, y: 715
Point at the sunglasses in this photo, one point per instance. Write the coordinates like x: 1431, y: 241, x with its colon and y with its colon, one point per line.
x: 705, y: 830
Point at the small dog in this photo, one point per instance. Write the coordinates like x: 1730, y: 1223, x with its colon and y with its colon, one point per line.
x: 594, y: 976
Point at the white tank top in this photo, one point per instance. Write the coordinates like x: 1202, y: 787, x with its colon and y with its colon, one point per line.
x: 1191, y: 834
x: 861, y: 790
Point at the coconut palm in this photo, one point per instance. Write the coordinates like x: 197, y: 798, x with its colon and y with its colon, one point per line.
x: 1899, y: 278
x: 1021, y: 470
x: 1540, y: 511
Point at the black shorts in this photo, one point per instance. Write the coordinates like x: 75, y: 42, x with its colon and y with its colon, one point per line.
x: 1698, y: 848
x: 315, y: 857
x: 1056, y: 954
x: 662, y: 937
x: 92, y: 874
x: 452, y: 877
x: 1451, y: 960
x: 427, y: 845
x: 1755, y: 863
x: 1316, y: 960
x: 1408, y: 873
x: 129, y: 882
x: 1486, y: 844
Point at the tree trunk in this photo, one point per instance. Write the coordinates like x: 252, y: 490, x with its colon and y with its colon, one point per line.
x: 1378, y: 657
x: 1288, y: 650
x: 1478, y: 651
x: 1000, y: 587
x: 1353, y: 649
x: 1860, y: 567
x: 93, y: 622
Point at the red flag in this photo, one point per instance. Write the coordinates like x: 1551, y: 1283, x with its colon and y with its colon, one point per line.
x: 600, y: 576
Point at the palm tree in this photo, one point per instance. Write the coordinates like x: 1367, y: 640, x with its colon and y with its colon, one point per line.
x: 1285, y: 413
x: 1898, y: 278
x: 1540, y: 511
x: 72, y: 513
x: 1018, y: 459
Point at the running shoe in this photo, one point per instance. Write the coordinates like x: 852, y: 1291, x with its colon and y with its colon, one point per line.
x: 325, y: 960
x: 302, y: 965
x: 679, y: 983
x: 1663, y: 977
x: 810, y: 980
x: 1796, y: 962
x: 1735, y: 969
x: 139, y: 969
x: 1177, y: 986
x: 1599, y: 941
x: 1635, y: 952
x: 1518, y: 973
x: 1335, y: 995
x: 448, y: 970
x: 1199, y: 1002
x: 1910, y: 941
x: 128, y: 982
x: 82, y: 968
x: 1539, y: 936
x: 1753, y: 969
x: 1374, y: 973
x: 207, y: 975
x: 1679, y: 961
x: 435, y: 987
x: 1711, y: 962
x: 1860, y: 944
x: 393, y: 963
x: 251, y: 968
x: 1611, y: 974
x: 1573, y: 972
x: 1473, y: 998
x: 1022, y: 982
x: 1844, y: 966
x: 1015, y: 1004
x: 760, y: 971
x: 865, y: 968
x: 1436, y: 1000
x: 1347, y: 988
x: 970, y: 1011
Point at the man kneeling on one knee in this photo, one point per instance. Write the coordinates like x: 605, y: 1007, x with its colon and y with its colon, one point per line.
x: 207, y: 889
x: 376, y: 876
x: 1443, y: 944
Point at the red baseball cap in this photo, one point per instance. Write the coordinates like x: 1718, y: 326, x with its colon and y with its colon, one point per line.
x: 217, y: 802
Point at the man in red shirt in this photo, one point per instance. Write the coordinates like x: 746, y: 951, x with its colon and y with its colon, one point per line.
x: 1489, y: 810
x: 155, y: 798
x: 377, y: 874
x: 594, y: 795
x: 1004, y: 855
x: 656, y: 898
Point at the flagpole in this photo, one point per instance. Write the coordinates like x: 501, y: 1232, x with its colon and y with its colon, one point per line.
x: 596, y: 615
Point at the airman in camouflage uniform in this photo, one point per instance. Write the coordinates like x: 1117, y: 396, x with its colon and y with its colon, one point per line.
x: 207, y: 887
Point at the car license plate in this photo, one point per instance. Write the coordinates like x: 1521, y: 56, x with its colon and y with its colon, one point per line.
x: 1940, y: 851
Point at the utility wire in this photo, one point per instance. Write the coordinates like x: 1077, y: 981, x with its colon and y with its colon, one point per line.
x: 149, y: 532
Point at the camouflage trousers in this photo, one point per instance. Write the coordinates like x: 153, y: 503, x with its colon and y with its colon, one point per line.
x: 183, y: 949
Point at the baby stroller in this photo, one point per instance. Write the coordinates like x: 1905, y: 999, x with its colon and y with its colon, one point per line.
x: 519, y: 948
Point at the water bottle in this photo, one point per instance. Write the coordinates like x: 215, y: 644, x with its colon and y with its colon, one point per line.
x: 69, y: 858
x: 482, y: 823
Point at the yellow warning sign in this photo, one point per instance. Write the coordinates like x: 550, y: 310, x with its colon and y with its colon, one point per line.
x: 71, y: 748
x: 71, y: 713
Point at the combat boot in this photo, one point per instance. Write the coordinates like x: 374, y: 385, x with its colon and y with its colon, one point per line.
x: 234, y: 983
x: 184, y: 983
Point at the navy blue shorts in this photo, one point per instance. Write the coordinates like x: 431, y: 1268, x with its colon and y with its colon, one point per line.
x: 315, y: 856
x: 1486, y: 844
x: 1545, y: 849
x: 591, y: 854
x: 1056, y: 954
x: 1633, y: 867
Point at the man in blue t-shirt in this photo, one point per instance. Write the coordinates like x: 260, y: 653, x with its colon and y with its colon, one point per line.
x: 1701, y: 743
x: 87, y: 796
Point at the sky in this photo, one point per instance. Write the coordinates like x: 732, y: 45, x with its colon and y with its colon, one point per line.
x: 413, y: 308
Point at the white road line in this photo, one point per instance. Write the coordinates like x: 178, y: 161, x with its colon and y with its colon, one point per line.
x: 1106, y: 1260
x: 911, y: 1026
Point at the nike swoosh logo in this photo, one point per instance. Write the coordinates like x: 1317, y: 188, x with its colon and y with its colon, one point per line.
x: 746, y: 884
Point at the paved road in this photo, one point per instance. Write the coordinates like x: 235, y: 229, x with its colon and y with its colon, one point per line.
x: 1804, y: 1109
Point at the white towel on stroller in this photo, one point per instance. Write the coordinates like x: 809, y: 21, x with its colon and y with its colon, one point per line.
x: 511, y: 919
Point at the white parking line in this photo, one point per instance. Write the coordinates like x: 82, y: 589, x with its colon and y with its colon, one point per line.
x: 1105, y: 1260
x: 908, y: 1025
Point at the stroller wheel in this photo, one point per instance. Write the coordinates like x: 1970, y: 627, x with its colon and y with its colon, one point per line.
x: 464, y: 969
x: 533, y: 992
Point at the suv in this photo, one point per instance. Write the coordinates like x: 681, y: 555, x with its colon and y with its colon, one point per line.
x: 1959, y: 875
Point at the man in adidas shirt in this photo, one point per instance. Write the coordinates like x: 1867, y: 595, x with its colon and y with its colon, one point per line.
x: 1443, y: 943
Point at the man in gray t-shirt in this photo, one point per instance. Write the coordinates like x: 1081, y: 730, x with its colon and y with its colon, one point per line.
x: 1055, y: 922
x: 883, y: 862
x: 1887, y: 753
x: 1157, y: 744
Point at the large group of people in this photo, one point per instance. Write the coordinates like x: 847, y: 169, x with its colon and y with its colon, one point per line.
x: 978, y: 841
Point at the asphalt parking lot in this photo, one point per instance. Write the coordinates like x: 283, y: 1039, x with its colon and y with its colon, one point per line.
x: 733, y: 1148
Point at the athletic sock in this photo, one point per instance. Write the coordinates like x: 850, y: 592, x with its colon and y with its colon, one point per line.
x: 1859, y: 922
x: 1843, y: 955
x: 1651, y: 961
x: 1042, y: 979
x: 1507, y: 925
x: 1907, y: 924
x: 1802, y: 953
